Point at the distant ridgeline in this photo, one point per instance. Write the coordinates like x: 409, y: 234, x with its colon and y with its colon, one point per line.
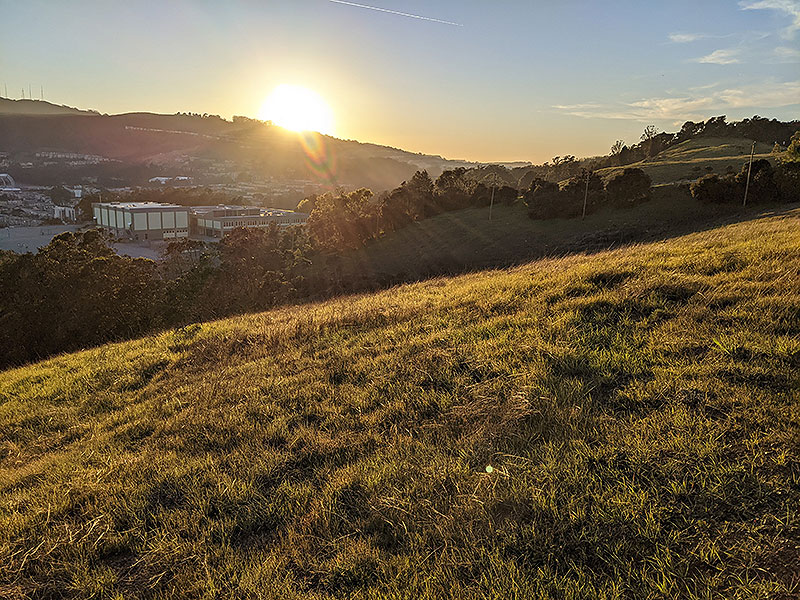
x: 653, y: 142
x: 758, y: 129
x: 135, y: 147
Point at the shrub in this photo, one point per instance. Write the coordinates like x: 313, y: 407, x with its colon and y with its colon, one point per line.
x: 630, y: 187
x: 549, y: 201
x: 713, y: 189
x: 574, y: 191
x: 542, y: 199
x: 787, y: 181
x: 762, y: 182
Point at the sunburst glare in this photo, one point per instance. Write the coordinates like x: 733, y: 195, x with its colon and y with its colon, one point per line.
x: 298, y: 109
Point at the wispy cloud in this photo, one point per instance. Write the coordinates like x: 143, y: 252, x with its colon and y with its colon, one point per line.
x: 784, y: 54
x: 766, y: 94
x: 791, y: 8
x: 685, y: 38
x: 771, y: 95
x: 396, y: 12
x: 726, y: 56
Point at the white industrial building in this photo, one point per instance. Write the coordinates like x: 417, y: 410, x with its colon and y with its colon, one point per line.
x: 152, y: 221
x: 217, y: 221
x: 142, y: 221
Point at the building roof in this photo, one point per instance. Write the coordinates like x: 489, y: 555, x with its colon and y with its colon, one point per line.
x: 141, y: 205
x: 237, y: 212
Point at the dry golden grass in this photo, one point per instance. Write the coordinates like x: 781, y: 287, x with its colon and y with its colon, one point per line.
x: 619, y: 425
x: 691, y: 159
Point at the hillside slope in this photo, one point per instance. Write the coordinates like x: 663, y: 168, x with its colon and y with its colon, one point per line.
x: 37, y: 107
x: 194, y: 144
x: 623, y: 424
x: 694, y: 158
x: 465, y: 240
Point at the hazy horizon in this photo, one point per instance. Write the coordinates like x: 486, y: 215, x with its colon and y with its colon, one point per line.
x: 524, y: 82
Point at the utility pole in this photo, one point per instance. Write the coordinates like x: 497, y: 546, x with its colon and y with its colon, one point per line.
x: 749, y: 168
x: 491, y: 204
x: 586, y: 195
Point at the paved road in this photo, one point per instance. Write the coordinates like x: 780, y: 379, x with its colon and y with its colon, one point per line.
x: 30, y: 239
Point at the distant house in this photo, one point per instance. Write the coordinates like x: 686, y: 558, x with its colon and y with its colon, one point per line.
x: 180, y: 180
x: 65, y: 213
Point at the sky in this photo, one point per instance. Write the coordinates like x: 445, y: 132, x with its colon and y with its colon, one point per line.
x: 487, y: 80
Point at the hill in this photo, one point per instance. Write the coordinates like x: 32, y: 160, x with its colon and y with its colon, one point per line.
x: 206, y: 147
x: 37, y: 107
x: 620, y: 424
x: 465, y: 240
x: 694, y: 158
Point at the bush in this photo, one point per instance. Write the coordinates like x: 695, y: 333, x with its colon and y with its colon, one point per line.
x: 574, y: 191
x: 713, y: 189
x: 628, y: 188
x: 787, y: 181
x: 542, y: 199
x: 762, y: 182
x: 549, y: 201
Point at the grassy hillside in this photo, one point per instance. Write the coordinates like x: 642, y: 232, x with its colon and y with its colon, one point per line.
x: 464, y: 240
x: 619, y: 425
x: 690, y: 159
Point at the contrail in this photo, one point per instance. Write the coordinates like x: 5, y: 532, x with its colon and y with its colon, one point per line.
x: 395, y: 12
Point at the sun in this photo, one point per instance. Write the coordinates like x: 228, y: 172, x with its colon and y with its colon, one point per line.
x: 298, y: 109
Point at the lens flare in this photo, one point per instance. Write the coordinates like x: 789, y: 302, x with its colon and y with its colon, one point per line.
x: 319, y: 159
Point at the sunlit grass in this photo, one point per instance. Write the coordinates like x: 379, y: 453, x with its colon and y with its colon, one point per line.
x: 638, y: 409
x: 691, y: 159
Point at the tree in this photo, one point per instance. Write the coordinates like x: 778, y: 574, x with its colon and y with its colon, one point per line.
x: 453, y: 190
x: 647, y: 137
x: 787, y: 180
x: 629, y: 187
x: 574, y: 190
x: 762, y: 182
x: 792, y: 154
x: 411, y: 201
x: 307, y: 205
x: 73, y: 293
x: 542, y: 199
x: 649, y: 133
x: 421, y: 189
x: 617, y: 147
x: 506, y: 195
x: 341, y: 221
x: 713, y: 189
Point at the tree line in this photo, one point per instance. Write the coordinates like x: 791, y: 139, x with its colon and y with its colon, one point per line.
x: 77, y: 292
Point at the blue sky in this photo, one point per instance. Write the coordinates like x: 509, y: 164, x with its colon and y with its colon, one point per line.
x: 511, y: 81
